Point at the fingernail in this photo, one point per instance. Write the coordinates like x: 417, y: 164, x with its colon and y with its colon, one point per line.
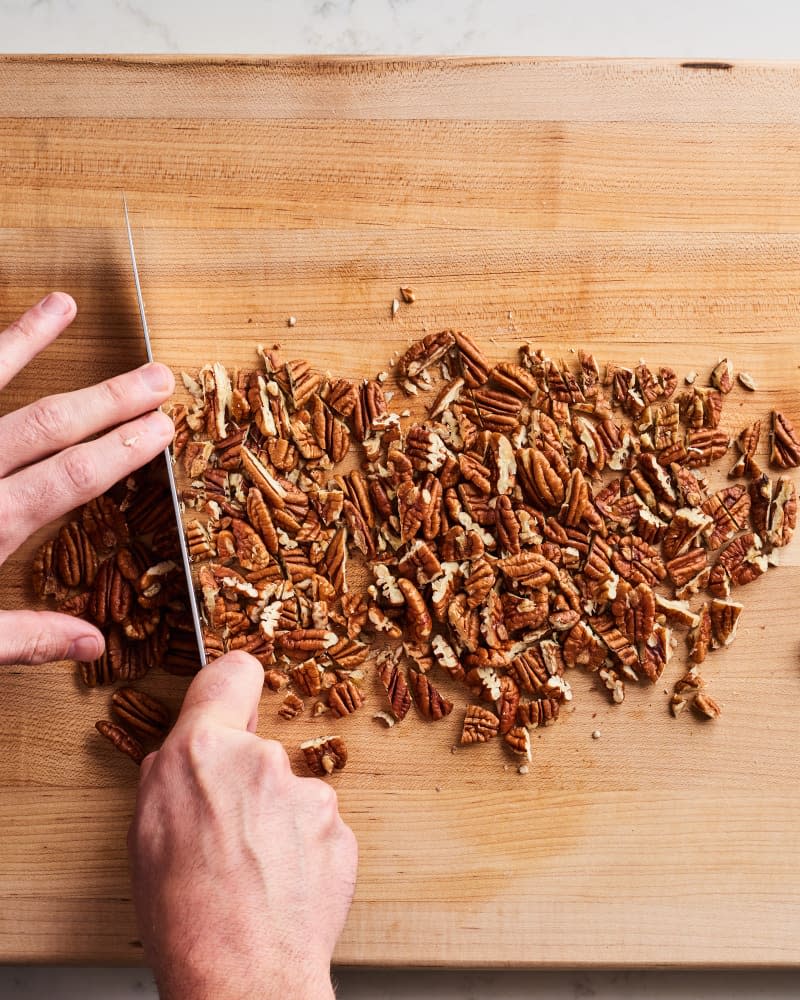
x: 56, y: 304
x: 157, y: 377
x: 88, y: 647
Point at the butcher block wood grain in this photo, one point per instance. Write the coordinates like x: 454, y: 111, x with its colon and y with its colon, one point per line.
x: 642, y: 209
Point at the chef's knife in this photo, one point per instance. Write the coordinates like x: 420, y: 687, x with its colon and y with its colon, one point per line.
x: 195, y: 611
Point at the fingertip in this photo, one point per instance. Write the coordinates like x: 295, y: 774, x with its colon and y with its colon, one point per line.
x: 58, y: 304
x: 158, y: 378
x: 160, y: 426
x: 86, y: 648
x: 243, y: 662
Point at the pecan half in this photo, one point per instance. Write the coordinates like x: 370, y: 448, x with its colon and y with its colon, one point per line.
x: 121, y: 739
x: 75, y: 556
x: 542, y: 712
x: 141, y: 712
x: 396, y: 689
x: 344, y: 698
x: 429, y: 701
x: 784, y: 442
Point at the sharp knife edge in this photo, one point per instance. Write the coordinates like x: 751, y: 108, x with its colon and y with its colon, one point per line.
x: 187, y: 569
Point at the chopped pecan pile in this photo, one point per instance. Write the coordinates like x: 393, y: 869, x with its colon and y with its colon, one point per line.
x: 542, y: 517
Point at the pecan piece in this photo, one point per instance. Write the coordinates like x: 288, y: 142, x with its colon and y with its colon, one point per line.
x: 747, y: 442
x: 429, y: 701
x: 542, y: 712
x: 699, y: 637
x: 722, y: 376
x: 104, y: 523
x: 529, y: 671
x: 140, y: 712
x: 729, y: 509
x: 724, y: 617
x: 301, y: 642
x: 307, y: 677
x: 417, y: 617
x: 685, y: 691
x: 303, y: 382
x: 342, y: 397
x: 637, y: 561
x: 121, y: 739
x: 656, y: 653
x: 251, y: 551
x: 324, y: 755
x: 542, y: 482
x: 784, y: 442
x: 291, y: 707
x: 614, y: 684
x: 44, y: 574
x: 107, y: 668
x: 475, y: 365
x: 75, y: 556
x: 583, y: 648
x: 685, y: 529
x: 425, y: 353
x: 634, y: 611
x: 518, y: 740
x: 396, y: 689
x: 685, y: 567
x: 705, y: 706
x: 705, y: 446
x: 480, y: 725
x: 344, y: 698
x: 507, y: 703
x: 739, y: 563
x: 112, y: 596
x: 347, y: 654
x: 528, y: 569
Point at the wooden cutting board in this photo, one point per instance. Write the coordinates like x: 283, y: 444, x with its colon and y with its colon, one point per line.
x: 642, y: 209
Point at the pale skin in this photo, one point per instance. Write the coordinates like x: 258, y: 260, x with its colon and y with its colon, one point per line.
x: 242, y: 872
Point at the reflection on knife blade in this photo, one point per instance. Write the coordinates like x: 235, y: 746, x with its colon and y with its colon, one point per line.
x: 195, y: 612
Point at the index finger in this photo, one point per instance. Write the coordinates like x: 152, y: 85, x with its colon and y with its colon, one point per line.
x: 227, y: 692
x: 32, y: 332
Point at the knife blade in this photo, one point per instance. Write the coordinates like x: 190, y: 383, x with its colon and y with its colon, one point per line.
x: 187, y: 569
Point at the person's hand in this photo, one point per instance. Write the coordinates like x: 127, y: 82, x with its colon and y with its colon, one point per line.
x: 242, y: 872
x: 47, y: 467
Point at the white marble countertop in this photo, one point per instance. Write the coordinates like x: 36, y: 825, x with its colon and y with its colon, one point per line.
x: 687, y: 28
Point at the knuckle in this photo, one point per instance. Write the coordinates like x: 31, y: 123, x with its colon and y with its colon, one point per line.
x: 274, y: 758
x: 47, y: 420
x: 117, y: 390
x: 195, y: 741
x: 23, y: 328
x: 323, y: 798
x: 80, y: 472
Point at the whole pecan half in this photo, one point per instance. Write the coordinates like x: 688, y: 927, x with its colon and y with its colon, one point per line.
x: 121, y: 739
x: 140, y: 712
x: 784, y: 442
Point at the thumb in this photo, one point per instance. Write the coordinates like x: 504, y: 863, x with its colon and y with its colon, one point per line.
x: 226, y: 691
x: 44, y: 636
